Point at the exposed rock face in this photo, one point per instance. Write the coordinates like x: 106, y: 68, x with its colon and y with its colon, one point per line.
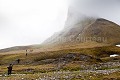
x: 78, y: 57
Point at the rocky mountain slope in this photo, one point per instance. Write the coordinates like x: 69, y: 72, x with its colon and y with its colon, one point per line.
x: 82, y: 31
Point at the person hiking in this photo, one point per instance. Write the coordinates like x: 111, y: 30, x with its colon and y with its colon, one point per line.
x: 10, y: 69
x: 18, y: 61
x: 26, y: 52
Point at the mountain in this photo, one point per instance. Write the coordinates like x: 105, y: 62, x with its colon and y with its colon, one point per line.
x: 87, y: 33
x: 73, y: 26
x: 82, y: 31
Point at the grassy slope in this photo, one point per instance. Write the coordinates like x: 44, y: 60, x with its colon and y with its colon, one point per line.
x: 32, y: 62
x: 95, y: 52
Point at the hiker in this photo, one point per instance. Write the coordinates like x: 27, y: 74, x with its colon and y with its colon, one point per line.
x: 18, y: 60
x: 26, y: 52
x: 10, y: 69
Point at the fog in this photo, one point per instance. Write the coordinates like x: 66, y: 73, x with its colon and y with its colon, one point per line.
x: 26, y: 22
x: 108, y: 9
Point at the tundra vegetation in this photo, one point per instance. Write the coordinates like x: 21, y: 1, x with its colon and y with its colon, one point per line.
x: 69, y: 64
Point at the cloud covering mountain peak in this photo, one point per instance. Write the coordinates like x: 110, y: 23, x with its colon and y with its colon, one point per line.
x: 108, y: 9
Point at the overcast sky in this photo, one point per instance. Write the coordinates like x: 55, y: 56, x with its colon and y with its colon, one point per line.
x: 26, y: 22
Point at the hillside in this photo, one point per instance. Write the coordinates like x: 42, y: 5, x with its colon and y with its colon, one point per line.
x: 86, y: 34
x: 16, y: 48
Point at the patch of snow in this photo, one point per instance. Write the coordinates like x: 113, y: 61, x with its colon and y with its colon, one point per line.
x: 118, y: 45
x: 114, y: 55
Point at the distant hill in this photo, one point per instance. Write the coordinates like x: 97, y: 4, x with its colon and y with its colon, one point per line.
x: 14, y: 48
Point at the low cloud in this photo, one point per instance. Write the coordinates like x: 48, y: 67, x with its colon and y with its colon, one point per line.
x: 108, y: 9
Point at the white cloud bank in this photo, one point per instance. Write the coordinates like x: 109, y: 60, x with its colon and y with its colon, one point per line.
x: 25, y: 22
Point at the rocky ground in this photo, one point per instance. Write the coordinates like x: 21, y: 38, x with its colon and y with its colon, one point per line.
x: 99, y: 71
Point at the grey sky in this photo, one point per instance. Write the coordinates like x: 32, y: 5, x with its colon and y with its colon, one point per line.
x: 25, y: 22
